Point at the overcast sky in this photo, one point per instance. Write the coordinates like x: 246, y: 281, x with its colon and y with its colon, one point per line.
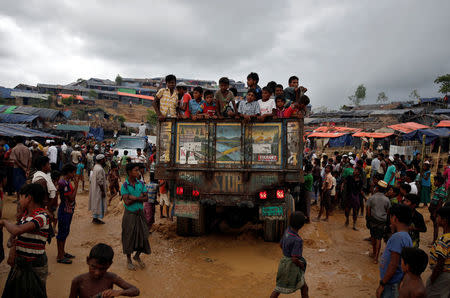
x: 333, y: 46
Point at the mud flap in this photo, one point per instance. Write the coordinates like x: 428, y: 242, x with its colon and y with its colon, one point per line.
x: 273, y: 229
x: 192, y: 227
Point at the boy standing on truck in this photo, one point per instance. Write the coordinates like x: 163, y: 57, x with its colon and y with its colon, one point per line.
x: 281, y: 111
x: 249, y: 108
x: 195, y: 104
x: 209, y: 108
x: 266, y: 104
x: 185, y: 97
x: 252, y: 83
x: 225, y: 98
x: 166, y: 100
x: 292, y: 266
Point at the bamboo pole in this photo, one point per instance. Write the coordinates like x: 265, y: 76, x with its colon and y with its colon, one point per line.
x: 438, y: 158
x: 423, y: 154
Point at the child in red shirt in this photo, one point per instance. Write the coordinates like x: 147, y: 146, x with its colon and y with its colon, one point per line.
x: 281, y: 111
x: 209, y: 107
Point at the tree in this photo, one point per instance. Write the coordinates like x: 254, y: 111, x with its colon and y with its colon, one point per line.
x: 444, y: 82
x: 152, y: 118
x: 359, y: 96
x: 119, y: 80
x: 92, y: 94
x: 414, y: 95
x: 382, y: 98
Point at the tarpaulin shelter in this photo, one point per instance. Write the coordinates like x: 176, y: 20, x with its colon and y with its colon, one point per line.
x: 336, y: 139
x: 430, y: 134
x: 97, y: 133
x: 70, y: 127
x: 136, y: 95
x: 77, y: 97
x: 13, y: 130
x: 407, y: 127
x: 336, y: 129
x: 375, y: 135
x: 17, y: 118
x: 444, y: 123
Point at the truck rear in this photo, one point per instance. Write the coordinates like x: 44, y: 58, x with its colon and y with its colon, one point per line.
x: 230, y: 170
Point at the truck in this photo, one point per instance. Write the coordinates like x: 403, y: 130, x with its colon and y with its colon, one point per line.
x: 231, y: 170
x: 130, y: 144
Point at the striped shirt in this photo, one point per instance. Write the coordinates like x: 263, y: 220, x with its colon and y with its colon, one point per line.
x: 441, y: 248
x: 31, y: 245
x: 439, y: 195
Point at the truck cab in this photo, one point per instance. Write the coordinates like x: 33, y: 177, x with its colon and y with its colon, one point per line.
x: 230, y: 170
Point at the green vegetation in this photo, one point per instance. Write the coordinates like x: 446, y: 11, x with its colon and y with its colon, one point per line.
x: 68, y: 101
x: 92, y: 94
x: 414, y: 95
x: 119, y: 80
x: 359, y: 96
x: 152, y: 118
x: 444, y: 82
x: 382, y: 98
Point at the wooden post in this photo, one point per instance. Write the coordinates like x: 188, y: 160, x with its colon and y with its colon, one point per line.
x: 438, y: 158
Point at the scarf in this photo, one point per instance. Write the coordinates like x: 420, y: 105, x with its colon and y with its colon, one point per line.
x: 50, y: 186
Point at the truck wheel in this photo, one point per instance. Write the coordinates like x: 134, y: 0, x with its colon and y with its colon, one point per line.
x: 273, y: 230
x: 183, y: 226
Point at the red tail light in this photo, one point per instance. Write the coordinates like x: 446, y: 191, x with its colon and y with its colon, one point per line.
x: 263, y: 195
x: 280, y: 194
x: 195, y: 193
x: 180, y: 190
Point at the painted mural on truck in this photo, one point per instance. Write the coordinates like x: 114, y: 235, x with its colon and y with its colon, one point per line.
x: 266, y: 143
x: 165, y: 140
x: 228, y: 143
x: 192, y: 143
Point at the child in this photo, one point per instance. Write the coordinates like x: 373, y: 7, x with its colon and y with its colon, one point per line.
x: 279, y: 90
x: 439, y: 198
x: 249, y: 108
x: 184, y: 98
x: 123, y: 162
x: 98, y: 282
x: 209, y: 107
x: 292, y: 266
x: 425, y: 192
x: 195, y: 104
x: 27, y: 258
x: 134, y: 228
x: 266, y: 104
x: 438, y: 284
x: 414, y: 262
x: 164, y: 198
x: 149, y: 206
x: 80, y: 171
x: 225, y: 98
x: 252, y: 83
x: 113, y: 179
x: 281, y: 111
x: 417, y: 222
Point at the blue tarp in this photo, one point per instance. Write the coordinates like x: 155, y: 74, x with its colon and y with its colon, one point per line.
x: 97, y: 133
x: 17, y: 118
x: 5, y: 93
x: 67, y: 114
x: 12, y: 130
x: 429, y: 99
x: 430, y: 134
x: 345, y: 140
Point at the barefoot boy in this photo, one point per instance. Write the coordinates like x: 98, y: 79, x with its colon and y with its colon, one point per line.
x: 414, y: 263
x: 291, y: 270
x: 98, y: 282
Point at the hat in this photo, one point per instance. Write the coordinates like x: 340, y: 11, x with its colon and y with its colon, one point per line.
x: 351, y: 157
x: 382, y: 183
x: 47, y: 142
x: 426, y: 162
x: 350, y: 153
x: 352, y: 162
x: 345, y: 155
x: 100, y: 157
x: 391, y: 158
x: 77, y: 146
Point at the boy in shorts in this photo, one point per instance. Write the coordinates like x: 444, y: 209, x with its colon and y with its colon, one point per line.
x: 164, y: 201
x: 98, y: 282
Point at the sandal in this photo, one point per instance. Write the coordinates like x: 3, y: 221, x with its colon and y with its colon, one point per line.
x: 64, y: 261
x: 69, y: 256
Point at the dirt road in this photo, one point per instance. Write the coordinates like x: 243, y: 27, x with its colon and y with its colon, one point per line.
x: 218, y: 265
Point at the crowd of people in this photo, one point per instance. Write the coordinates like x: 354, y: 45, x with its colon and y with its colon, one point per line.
x: 387, y: 191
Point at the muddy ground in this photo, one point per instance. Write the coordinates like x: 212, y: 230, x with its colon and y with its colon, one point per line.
x: 218, y: 265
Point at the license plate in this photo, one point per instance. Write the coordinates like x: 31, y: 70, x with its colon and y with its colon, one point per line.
x: 187, y: 209
x: 271, y: 211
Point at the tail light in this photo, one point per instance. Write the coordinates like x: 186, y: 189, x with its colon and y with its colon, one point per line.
x: 263, y: 195
x: 280, y: 194
x: 195, y: 193
x: 180, y: 190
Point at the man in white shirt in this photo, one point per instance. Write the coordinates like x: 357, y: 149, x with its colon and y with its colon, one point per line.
x: 411, y: 180
x: 142, y: 130
x: 52, y: 154
x: 375, y: 165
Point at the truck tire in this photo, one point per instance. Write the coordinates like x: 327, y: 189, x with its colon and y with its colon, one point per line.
x: 273, y: 230
x: 183, y: 226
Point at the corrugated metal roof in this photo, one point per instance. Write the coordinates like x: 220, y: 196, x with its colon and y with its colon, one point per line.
x: 9, y: 109
x: 71, y: 127
x: 5, y: 93
x: 396, y: 112
x: 43, y: 96
x: 441, y: 111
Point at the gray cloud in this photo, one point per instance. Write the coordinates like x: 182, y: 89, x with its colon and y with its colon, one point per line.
x: 389, y: 46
